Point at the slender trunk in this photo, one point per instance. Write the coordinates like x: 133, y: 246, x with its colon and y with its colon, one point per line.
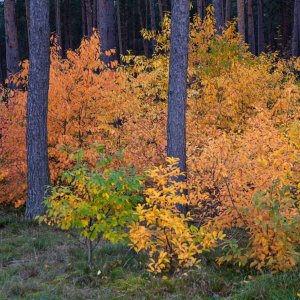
x: 260, y: 29
x: 228, y: 10
x: 219, y: 15
x: 11, y: 38
x: 284, y: 23
x: 27, y: 17
x: 152, y: 15
x: 38, y: 178
x: 107, y: 27
x: 176, y: 131
x: 241, y: 18
x: 67, y: 26
x: 142, y: 25
x: 89, y: 17
x: 200, y: 8
x: 95, y: 13
x: 58, y: 24
x: 296, y: 31
x: 251, y: 30
x: 161, y: 10
x: 83, y: 18
x: 119, y: 27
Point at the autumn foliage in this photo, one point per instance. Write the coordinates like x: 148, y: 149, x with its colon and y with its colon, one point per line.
x: 243, y: 139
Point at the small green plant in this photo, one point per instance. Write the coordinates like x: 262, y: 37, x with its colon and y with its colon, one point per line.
x: 94, y: 203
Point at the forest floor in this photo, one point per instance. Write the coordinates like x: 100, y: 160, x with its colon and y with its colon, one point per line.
x: 38, y: 262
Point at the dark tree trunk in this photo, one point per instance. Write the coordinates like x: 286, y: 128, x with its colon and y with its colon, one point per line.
x: 152, y: 14
x: 260, y: 29
x: 251, y: 30
x: 83, y: 18
x: 95, y: 11
x: 58, y: 25
x: 27, y: 17
x: 89, y: 17
x: 241, y: 18
x: 176, y: 131
x: 142, y: 25
x: 228, y: 10
x: 219, y: 15
x: 38, y: 178
x: 296, y: 29
x: 200, y: 8
x: 107, y: 27
x: 11, y: 38
x: 119, y: 28
x: 284, y: 23
x: 161, y: 10
x: 67, y: 26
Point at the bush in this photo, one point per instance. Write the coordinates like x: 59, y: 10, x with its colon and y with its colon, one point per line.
x: 94, y: 203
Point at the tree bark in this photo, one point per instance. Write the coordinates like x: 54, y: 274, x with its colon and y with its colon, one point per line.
x: 219, y: 15
x: 260, y: 29
x: 176, y: 130
x: 241, y: 18
x: 119, y: 28
x: 38, y: 178
x: 11, y: 38
x: 296, y: 29
x: 142, y: 25
x: 161, y: 10
x: 67, y: 26
x: 152, y: 15
x: 251, y: 30
x: 27, y: 17
x: 228, y: 10
x: 107, y: 28
x: 83, y: 18
x: 58, y: 25
x: 95, y: 11
x: 200, y: 8
x: 89, y: 17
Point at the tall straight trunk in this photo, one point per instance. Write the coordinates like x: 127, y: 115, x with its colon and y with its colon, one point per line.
x: 241, y: 18
x: 219, y: 14
x: 260, y: 29
x: 27, y: 17
x: 58, y: 24
x: 142, y: 25
x: 119, y: 27
x: 152, y: 14
x: 176, y: 130
x: 83, y: 18
x: 11, y: 38
x: 251, y: 30
x: 2, y: 75
x: 284, y: 23
x: 95, y: 13
x: 161, y: 10
x: 228, y: 10
x: 67, y: 26
x: 89, y: 17
x: 38, y: 178
x: 296, y: 29
x: 107, y: 27
x: 200, y: 8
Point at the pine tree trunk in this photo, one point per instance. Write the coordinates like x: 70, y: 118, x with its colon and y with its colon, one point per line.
x: 58, y: 24
x: 161, y: 10
x: 228, y: 10
x: 260, y: 29
x: 107, y: 27
x: 142, y: 25
x: 37, y: 109
x: 11, y: 38
x: 241, y: 18
x: 219, y: 15
x: 67, y: 26
x: 119, y: 28
x: 176, y: 131
x: 200, y: 8
x: 296, y: 27
x: 251, y: 30
x: 27, y: 17
x: 152, y: 15
x: 83, y: 18
x: 89, y: 17
x: 95, y: 12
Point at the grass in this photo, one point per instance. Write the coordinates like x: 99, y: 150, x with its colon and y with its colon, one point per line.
x: 38, y: 262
